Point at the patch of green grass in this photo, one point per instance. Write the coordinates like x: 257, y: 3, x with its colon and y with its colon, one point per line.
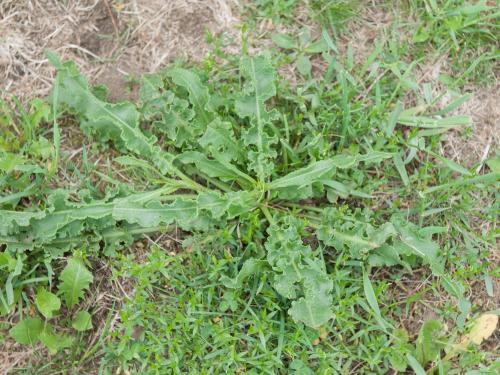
x: 466, y: 31
x: 324, y: 13
x: 183, y: 318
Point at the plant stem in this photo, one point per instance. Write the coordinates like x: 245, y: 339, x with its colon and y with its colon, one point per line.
x: 266, y: 213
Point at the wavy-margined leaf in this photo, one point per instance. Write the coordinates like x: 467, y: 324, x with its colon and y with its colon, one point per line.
x: 198, y: 93
x: 11, y: 220
x: 314, y: 309
x: 74, y: 280
x: 304, y: 176
x: 155, y: 213
x: 112, y: 121
x: 318, y: 170
x: 358, y: 236
x: 218, y: 167
x: 259, y: 86
x: 169, y: 114
x: 150, y: 90
x: 300, y: 275
x: 387, y: 244
x: 45, y: 226
x: 61, y: 212
x: 184, y: 211
x: 117, y: 122
x: 65, y: 221
x: 219, y: 137
x: 231, y: 204
x: 179, y: 122
x: 413, y: 241
x: 388, y: 255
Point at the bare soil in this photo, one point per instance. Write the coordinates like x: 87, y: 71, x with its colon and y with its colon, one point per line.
x: 108, y: 40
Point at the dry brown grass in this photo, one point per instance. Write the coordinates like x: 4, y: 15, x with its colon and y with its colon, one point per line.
x: 107, y: 40
x: 484, y: 140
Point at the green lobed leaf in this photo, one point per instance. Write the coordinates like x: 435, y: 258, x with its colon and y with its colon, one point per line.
x: 213, y: 168
x: 74, y: 280
x: 414, y: 242
x: 304, y: 176
x: 198, y: 93
x: 299, y: 274
x: 177, y: 120
x: 318, y: 170
x: 154, y: 213
x: 11, y: 220
x: 65, y: 220
x: 259, y: 86
x: 350, y: 231
x: 117, y: 122
x: 150, y: 89
x: 219, y: 136
x: 315, y: 308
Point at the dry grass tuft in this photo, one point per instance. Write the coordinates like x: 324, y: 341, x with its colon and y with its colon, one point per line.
x: 170, y: 29
x: 362, y: 32
x: 27, y: 28
x: 485, y: 138
x: 13, y: 355
x: 108, y: 40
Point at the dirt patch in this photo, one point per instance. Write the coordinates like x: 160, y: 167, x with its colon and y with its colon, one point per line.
x: 107, y: 39
x: 362, y: 32
x: 484, y: 139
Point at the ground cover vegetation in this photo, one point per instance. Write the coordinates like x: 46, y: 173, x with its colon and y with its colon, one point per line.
x: 288, y: 209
